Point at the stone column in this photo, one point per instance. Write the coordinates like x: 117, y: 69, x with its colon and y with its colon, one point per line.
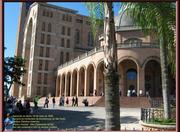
x: 71, y: 84
x: 65, y: 93
x: 95, y: 81
x: 20, y: 91
x: 85, y: 82
x: 77, y: 87
x: 61, y: 83
x: 57, y: 86
x: 141, y: 81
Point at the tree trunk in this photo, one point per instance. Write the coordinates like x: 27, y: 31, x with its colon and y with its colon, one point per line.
x: 111, y: 75
x: 165, y: 82
x: 112, y: 101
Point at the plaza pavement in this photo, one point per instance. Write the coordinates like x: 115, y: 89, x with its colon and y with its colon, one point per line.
x: 89, y: 118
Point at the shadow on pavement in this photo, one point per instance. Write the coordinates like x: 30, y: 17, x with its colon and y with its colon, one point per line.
x: 68, y: 120
x: 129, y: 119
x: 74, y: 120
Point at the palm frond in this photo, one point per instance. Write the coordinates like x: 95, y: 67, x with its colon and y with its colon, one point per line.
x: 96, y: 12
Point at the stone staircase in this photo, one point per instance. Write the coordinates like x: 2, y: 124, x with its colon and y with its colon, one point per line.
x: 92, y: 100
x: 128, y: 102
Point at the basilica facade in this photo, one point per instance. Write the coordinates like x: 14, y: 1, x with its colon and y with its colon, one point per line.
x: 63, y: 59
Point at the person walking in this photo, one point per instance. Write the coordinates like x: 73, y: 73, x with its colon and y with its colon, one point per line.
x: 36, y: 98
x: 76, y: 101
x: 54, y: 101
x: 28, y: 107
x: 60, y: 101
x: 46, y: 102
x: 73, y: 101
x: 67, y: 101
x: 63, y: 100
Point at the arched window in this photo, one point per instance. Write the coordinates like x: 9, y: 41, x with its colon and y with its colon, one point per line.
x: 90, y: 39
x: 131, y: 74
x: 48, y: 41
x: 61, y: 58
x: 63, y: 30
x: 67, y: 56
x: 133, y: 41
x: 77, y: 36
x: 51, y: 14
x: 44, y: 13
x: 42, y: 38
x: 49, y: 27
x: 43, y: 26
x: 68, y: 43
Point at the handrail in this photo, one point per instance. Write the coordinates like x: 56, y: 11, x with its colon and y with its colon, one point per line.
x: 119, y: 46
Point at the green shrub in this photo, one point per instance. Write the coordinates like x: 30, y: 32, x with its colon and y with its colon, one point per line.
x: 162, y: 121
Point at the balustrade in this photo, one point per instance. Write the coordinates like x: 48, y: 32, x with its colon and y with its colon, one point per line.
x: 119, y: 46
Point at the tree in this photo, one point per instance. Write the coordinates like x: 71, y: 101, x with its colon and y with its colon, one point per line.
x: 158, y: 18
x: 14, y: 68
x: 110, y: 64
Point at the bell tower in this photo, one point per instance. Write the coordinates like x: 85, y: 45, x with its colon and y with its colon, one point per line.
x: 22, y: 18
x: 24, y: 8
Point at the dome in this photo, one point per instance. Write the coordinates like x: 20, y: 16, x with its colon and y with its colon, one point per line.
x: 123, y: 20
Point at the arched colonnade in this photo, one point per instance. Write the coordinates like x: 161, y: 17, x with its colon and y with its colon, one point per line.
x: 89, y: 81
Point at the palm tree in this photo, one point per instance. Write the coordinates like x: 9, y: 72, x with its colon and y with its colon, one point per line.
x: 158, y: 18
x: 110, y: 64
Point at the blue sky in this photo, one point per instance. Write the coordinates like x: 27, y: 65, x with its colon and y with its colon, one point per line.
x: 11, y: 14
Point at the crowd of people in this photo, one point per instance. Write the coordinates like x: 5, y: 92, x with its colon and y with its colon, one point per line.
x: 62, y: 101
x: 14, y: 106
x: 65, y: 101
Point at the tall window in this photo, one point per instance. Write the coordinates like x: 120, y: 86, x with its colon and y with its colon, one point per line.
x: 67, y: 56
x: 39, y: 78
x: 38, y: 90
x: 69, y: 32
x: 49, y: 27
x: 46, y: 65
x: 44, y: 91
x: 63, y: 17
x: 90, y: 39
x: 45, y: 78
x: 47, y: 52
x: 47, y: 13
x: 68, y: 43
x: 61, y: 58
x: 62, y: 42
x: 41, y: 51
x: 44, y: 12
x: 66, y: 17
x: 63, y: 30
x: 40, y: 64
x: 51, y: 14
x: 70, y: 18
x: 48, y: 39
x: 43, y: 26
x: 77, y: 36
x: 42, y: 38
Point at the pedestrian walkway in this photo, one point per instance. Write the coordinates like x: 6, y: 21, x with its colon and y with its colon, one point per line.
x: 91, y: 118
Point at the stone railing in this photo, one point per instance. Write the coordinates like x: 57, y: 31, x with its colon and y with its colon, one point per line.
x: 119, y: 46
